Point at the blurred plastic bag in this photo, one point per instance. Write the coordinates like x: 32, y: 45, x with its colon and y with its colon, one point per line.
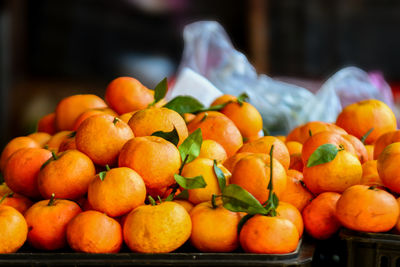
x: 209, y: 52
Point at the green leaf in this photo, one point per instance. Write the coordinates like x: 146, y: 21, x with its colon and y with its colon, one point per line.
x: 183, y: 195
x: 220, y: 176
x: 272, y: 205
x: 243, y: 221
x: 102, y: 175
x: 365, y: 136
x: 323, y: 154
x: 160, y: 90
x: 190, y: 148
x: 266, y: 132
x: 190, y: 183
x: 243, y: 97
x: 171, y: 136
x: 184, y: 104
x: 238, y: 199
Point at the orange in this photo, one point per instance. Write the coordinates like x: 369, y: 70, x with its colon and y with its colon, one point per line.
x: 384, y: 140
x: 388, y: 167
x: 16, y: 201
x: 56, y: 140
x: 47, y: 222
x: 153, y: 158
x: 214, y: 229
x: 302, y: 133
x: 13, y: 229
x: 290, y: 212
x: 367, y: 209
x: 223, y: 99
x: 169, y: 229
x: 67, y: 176
x: 320, y: 216
x: 22, y: 169
x: 218, y: 127
x: 204, y: 167
x: 322, y: 138
x: 212, y: 150
x: 397, y: 226
x: 296, y: 193
x: 126, y: 94
x: 188, y: 117
x: 47, y: 124
x: 263, y: 145
x: 94, y: 232
x: 370, y: 174
x: 281, y: 137
x: 358, y: 118
x: 4, y: 189
x: 148, y: 121
x: 294, y: 147
x: 41, y: 137
x: 230, y: 163
x: 68, y: 143
x: 121, y: 191
x: 70, y: 108
x: 335, y: 176
x: 358, y: 146
x: 126, y: 116
x: 102, y: 137
x: 370, y: 152
x: 245, y: 116
x: 184, y: 203
x: 296, y: 162
x: 90, y: 113
x: 269, y: 235
x: 253, y: 174
x: 14, y: 145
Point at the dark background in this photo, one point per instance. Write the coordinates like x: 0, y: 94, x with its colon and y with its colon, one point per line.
x: 51, y: 49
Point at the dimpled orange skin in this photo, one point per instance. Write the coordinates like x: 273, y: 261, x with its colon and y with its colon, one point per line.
x: 14, y: 145
x: 216, y: 126
x: 13, y: 229
x: 101, y: 139
x: 302, y: 133
x: 295, y: 193
x: 290, y: 212
x: 69, y: 109
x: 169, y: 229
x: 126, y: 94
x: 153, y: 158
x: 121, y: 191
x: 319, y: 216
x: 264, y: 144
x: 214, y: 229
x: 48, y: 224
x: 92, y: 112
x: 18, y: 202
x: 47, y: 124
x: 270, y: 235
x: 204, y: 167
x: 212, y: 150
x: 335, y: 176
x: 253, y: 174
x: 94, y: 232
x: 22, y: 169
x: 322, y: 138
x: 358, y: 118
x: 359, y: 147
x: 245, y: 116
x: 230, y: 163
x: 57, y: 139
x: 366, y: 209
x: 370, y: 175
x: 148, y: 121
x: 41, y: 137
x: 384, y: 140
x: 388, y: 167
x: 68, y: 176
x: 184, y: 203
x: 370, y: 152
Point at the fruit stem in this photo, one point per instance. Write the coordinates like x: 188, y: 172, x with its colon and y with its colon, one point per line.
x: 159, y: 199
x: 107, y: 167
x: 55, y: 157
x: 270, y: 186
x: 115, y: 120
x: 152, y: 201
x: 309, y: 133
x: 6, y: 196
x: 213, y: 203
x: 52, y: 199
x: 204, y: 117
x: 341, y: 147
x: 183, y: 164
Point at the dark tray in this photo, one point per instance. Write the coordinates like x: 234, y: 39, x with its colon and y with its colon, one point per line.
x: 182, y: 257
x: 371, y: 249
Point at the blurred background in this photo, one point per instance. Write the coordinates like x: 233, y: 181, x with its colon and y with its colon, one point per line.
x: 51, y: 49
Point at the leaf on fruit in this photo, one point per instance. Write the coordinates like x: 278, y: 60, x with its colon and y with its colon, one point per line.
x: 323, y: 154
x: 220, y: 176
x: 190, y: 148
x: 184, y: 104
x: 160, y: 90
x: 183, y: 195
x: 190, y: 183
x: 238, y: 199
x: 171, y: 136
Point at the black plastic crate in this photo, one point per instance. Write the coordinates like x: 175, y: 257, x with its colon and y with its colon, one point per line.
x: 371, y: 249
x: 182, y: 257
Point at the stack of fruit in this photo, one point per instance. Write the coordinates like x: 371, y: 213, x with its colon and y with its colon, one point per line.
x: 154, y: 174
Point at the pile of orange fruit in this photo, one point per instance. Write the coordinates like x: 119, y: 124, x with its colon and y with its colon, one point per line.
x: 154, y: 174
